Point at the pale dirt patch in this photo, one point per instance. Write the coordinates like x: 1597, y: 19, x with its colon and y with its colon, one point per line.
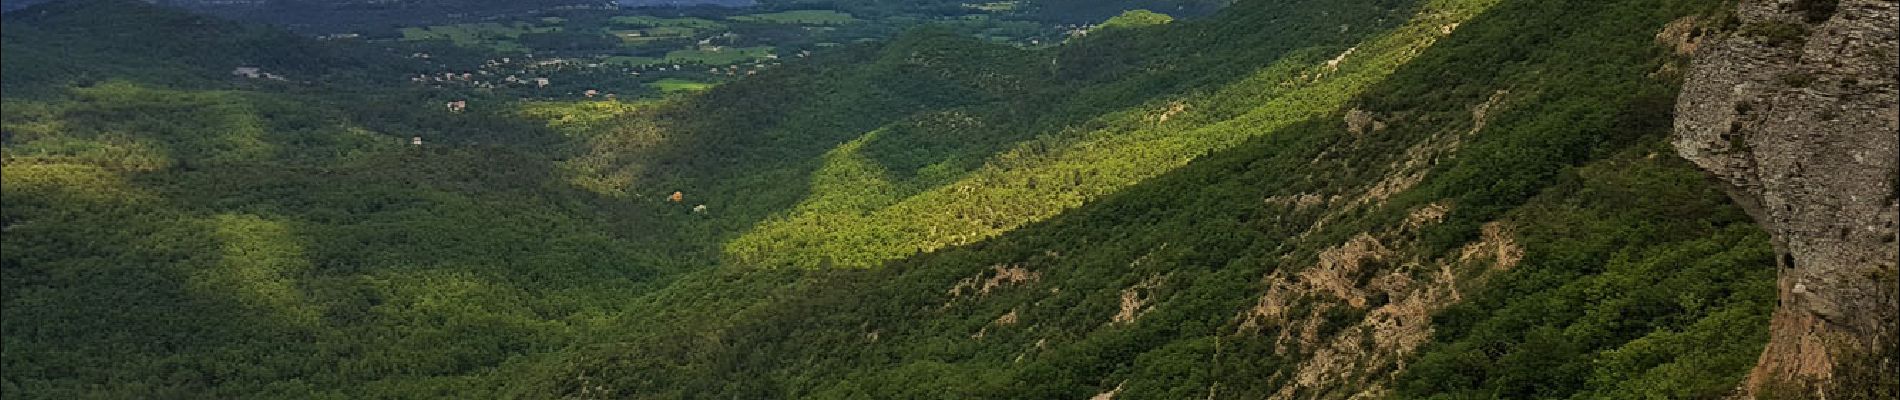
x: 1418, y: 160
x: 1481, y: 113
x: 1000, y: 275
x: 1361, y: 122
x: 1375, y: 272
x: 1337, y: 267
x: 1682, y: 35
x: 1173, y: 109
x: 1135, y: 300
x: 1497, y: 242
x: 1389, y: 332
x: 1271, y: 309
x: 1396, y: 330
x: 1110, y: 395
x: 1428, y: 215
x: 1299, y: 202
x: 1333, y: 64
x: 1006, y: 319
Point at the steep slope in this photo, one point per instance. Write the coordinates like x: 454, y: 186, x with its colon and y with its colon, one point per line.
x: 1465, y: 224
x: 941, y: 105
x: 1795, y: 112
x: 1056, y: 172
x: 175, y: 231
x: 1287, y: 199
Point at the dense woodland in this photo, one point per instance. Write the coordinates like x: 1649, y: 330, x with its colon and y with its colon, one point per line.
x: 1446, y: 199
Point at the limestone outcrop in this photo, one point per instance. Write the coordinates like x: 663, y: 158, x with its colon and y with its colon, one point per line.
x: 1794, y: 110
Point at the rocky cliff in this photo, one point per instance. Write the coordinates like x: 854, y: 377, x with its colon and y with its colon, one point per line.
x: 1793, y: 108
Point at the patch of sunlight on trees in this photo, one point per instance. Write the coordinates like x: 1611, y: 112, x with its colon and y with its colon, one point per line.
x: 641, y: 21
x: 994, y: 6
x: 216, y: 127
x: 258, y: 264
x: 671, y: 85
x: 720, y: 56
x: 613, y: 142
x: 803, y: 17
x: 578, y: 118
x: 1136, y: 19
x: 494, y: 35
x: 1042, y: 178
x: 68, y: 184
x: 131, y: 127
x: 446, y: 292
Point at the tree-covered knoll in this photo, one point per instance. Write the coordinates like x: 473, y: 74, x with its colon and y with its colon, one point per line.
x: 88, y: 41
x: 183, y: 243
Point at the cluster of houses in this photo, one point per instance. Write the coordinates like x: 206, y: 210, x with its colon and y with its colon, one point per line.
x: 466, y: 79
x: 1074, y: 30
x: 680, y: 197
x: 255, y: 73
x: 537, y: 82
x: 480, y: 79
x: 733, y: 70
x: 518, y: 71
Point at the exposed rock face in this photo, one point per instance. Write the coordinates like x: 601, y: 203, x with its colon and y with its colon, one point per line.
x: 1795, y: 110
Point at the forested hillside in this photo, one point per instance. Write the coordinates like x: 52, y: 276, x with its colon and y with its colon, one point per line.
x: 1284, y: 199
x: 1296, y: 230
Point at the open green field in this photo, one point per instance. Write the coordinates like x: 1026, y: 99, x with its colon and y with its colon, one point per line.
x: 632, y: 61
x: 669, y: 31
x: 994, y: 6
x: 647, y: 21
x: 487, y: 34
x: 631, y: 36
x: 461, y: 33
x: 670, y: 85
x: 803, y: 17
x: 652, y: 34
x: 723, y: 56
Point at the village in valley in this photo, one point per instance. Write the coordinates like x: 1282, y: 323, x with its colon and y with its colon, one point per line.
x: 650, y: 52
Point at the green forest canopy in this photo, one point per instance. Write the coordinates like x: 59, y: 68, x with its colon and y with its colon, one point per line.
x: 927, y: 217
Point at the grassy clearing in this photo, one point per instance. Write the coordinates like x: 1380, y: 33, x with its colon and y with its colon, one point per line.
x: 670, y: 85
x: 648, y: 21
x: 635, y: 36
x: 629, y: 61
x: 994, y: 6
x: 802, y: 17
x: 721, y: 56
x: 490, y: 35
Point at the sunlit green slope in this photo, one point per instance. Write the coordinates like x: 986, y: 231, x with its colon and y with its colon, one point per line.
x: 1288, y: 199
x: 1493, y: 216
x: 856, y: 218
